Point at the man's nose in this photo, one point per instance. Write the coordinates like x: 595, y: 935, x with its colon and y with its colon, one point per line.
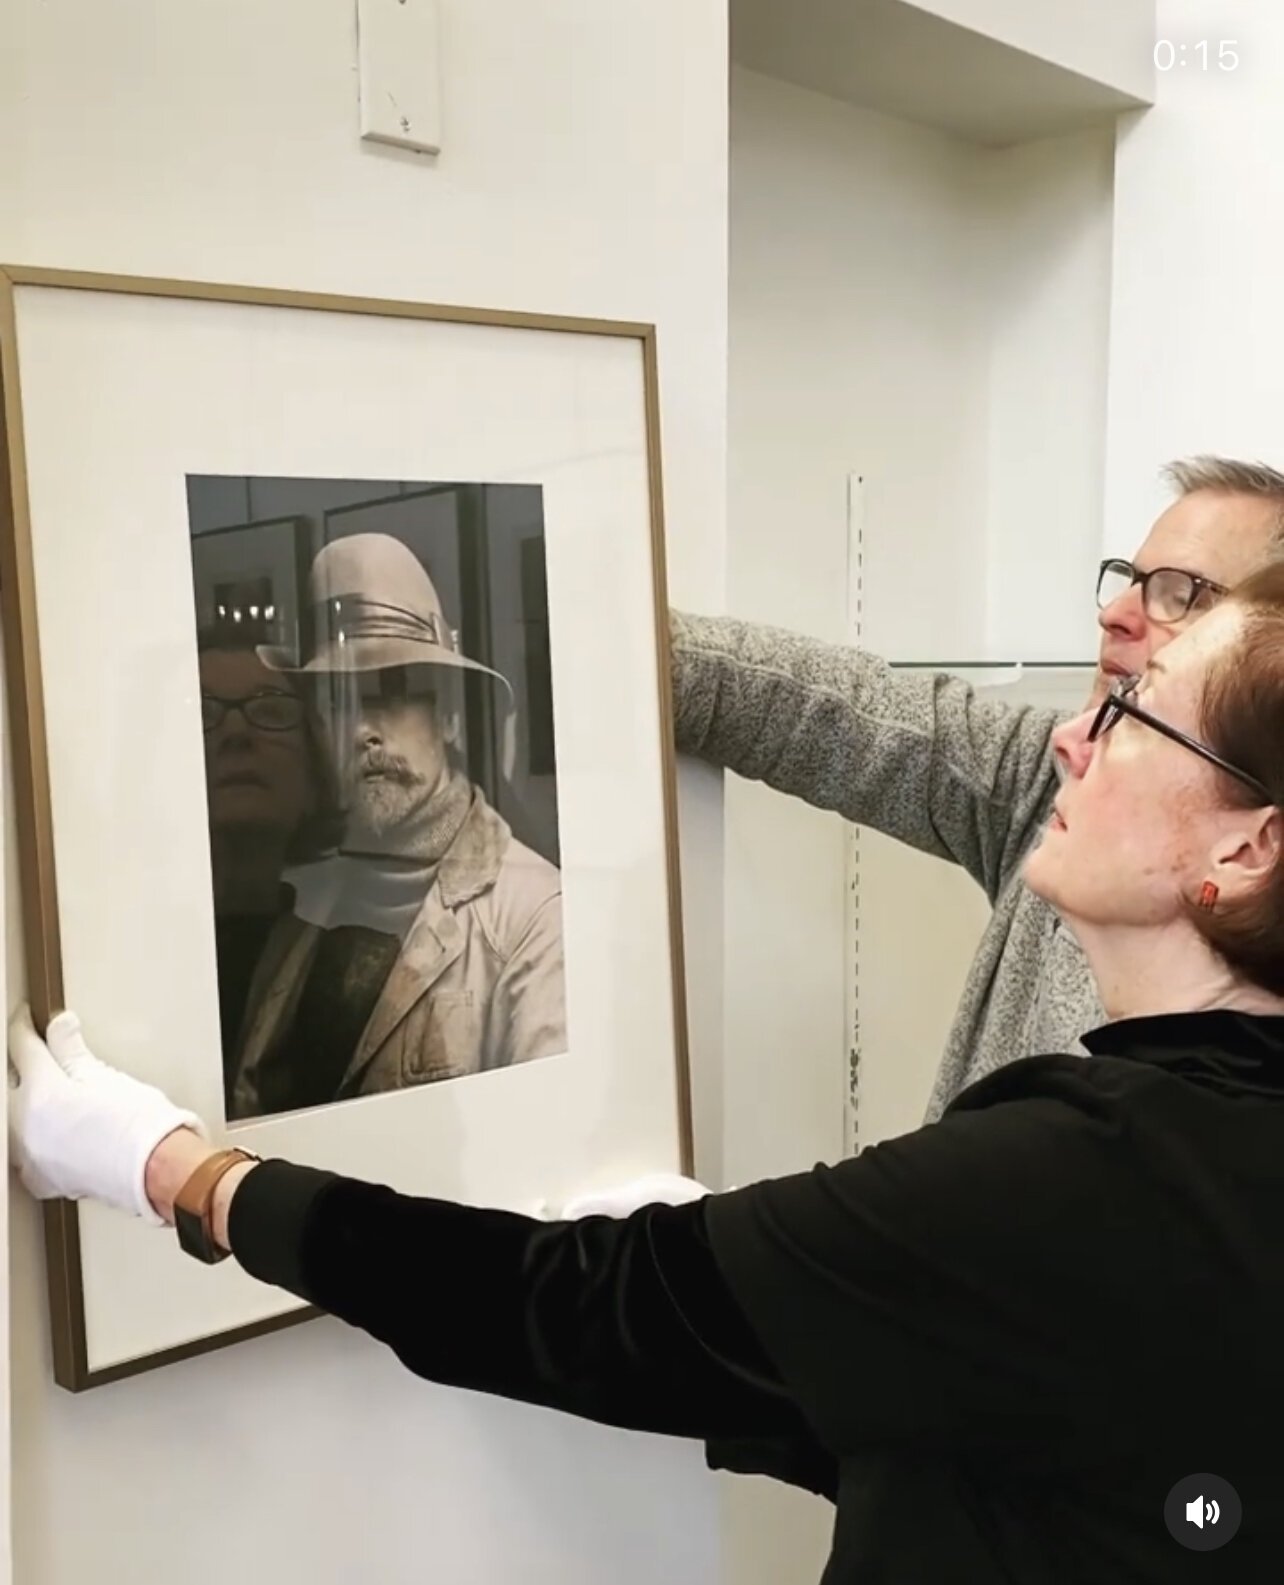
x: 1071, y: 747
x: 233, y: 730
x: 1126, y: 614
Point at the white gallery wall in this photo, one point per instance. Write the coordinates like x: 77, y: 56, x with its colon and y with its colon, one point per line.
x: 847, y: 351
x: 1044, y: 225
x: 583, y: 172
x: 1197, y: 315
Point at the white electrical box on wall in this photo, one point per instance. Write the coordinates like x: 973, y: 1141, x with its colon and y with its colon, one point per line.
x: 397, y: 47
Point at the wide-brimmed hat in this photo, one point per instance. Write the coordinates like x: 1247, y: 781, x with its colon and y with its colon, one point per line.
x: 371, y: 605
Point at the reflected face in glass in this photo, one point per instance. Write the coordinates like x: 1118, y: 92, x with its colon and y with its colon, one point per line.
x: 390, y: 744
x: 257, y: 763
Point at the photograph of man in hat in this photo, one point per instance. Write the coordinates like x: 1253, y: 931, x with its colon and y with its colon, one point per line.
x: 429, y: 945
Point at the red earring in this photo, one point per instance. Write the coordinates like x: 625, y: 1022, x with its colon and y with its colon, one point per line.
x: 1208, y: 895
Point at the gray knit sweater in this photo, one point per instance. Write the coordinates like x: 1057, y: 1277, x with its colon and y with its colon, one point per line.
x: 925, y: 760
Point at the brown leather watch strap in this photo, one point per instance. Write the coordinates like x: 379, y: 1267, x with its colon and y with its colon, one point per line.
x: 195, y: 1200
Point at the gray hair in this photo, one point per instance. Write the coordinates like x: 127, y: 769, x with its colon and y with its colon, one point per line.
x: 1229, y: 476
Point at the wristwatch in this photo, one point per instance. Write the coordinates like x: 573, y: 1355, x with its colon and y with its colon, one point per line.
x: 194, y: 1204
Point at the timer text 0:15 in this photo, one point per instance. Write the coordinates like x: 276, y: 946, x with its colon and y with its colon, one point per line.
x: 1206, y: 55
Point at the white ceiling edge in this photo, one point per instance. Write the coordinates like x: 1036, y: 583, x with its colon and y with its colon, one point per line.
x: 899, y: 58
x: 1111, y: 42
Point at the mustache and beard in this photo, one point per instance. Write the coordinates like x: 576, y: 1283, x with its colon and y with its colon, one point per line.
x: 381, y: 790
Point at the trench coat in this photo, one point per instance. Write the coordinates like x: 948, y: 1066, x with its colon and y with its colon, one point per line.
x: 478, y: 983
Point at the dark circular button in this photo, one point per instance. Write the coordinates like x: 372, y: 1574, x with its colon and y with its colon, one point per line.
x: 1203, y: 1512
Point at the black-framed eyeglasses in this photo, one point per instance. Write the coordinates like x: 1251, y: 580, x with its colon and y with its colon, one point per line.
x: 1120, y: 703
x: 270, y: 710
x: 1167, y: 593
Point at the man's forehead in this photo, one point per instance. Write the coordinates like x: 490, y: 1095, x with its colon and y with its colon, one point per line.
x: 392, y: 682
x: 235, y: 662
x: 1219, y: 536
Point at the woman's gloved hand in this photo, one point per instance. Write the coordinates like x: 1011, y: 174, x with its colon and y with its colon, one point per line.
x: 78, y: 1129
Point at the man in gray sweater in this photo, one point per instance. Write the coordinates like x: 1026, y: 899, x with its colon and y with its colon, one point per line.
x: 930, y: 762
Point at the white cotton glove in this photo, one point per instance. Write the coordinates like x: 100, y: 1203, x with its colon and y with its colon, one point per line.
x: 78, y: 1129
x: 657, y: 1188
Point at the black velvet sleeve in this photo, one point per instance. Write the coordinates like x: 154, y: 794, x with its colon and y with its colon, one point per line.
x: 943, y: 1290
x: 628, y: 1322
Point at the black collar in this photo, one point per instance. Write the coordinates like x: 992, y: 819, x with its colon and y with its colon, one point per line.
x: 1235, y: 1053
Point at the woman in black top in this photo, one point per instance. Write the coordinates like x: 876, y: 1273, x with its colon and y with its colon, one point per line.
x: 996, y: 1343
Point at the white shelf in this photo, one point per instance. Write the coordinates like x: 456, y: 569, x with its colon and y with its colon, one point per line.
x: 992, y: 72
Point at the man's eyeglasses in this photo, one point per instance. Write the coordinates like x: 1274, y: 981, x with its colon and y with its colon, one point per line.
x: 1120, y: 703
x: 269, y: 710
x: 1167, y: 593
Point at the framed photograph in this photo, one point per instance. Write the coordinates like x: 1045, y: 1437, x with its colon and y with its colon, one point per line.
x: 339, y: 692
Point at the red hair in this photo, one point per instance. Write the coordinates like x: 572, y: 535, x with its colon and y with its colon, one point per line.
x: 1242, y: 718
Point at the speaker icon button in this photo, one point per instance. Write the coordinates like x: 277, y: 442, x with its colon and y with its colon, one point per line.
x: 1203, y: 1512
x: 1196, y: 1510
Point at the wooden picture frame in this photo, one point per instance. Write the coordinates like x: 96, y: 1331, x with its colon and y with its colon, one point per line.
x: 570, y: 403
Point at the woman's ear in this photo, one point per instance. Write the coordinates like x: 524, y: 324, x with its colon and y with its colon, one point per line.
x: 1246, y: 855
